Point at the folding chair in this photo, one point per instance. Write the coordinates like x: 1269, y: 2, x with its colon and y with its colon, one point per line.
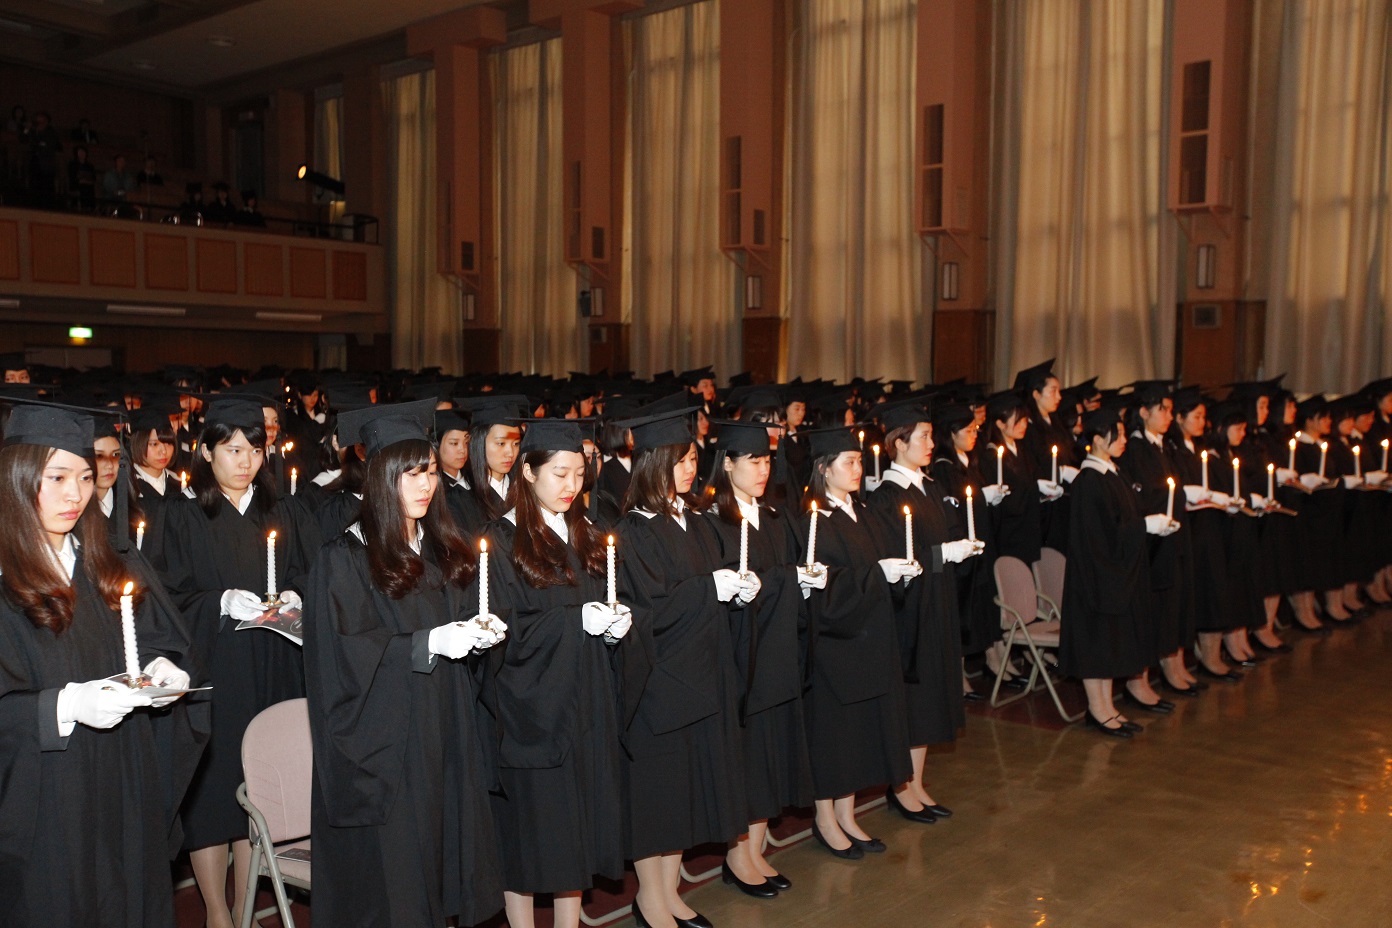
x: 1026, y: 627
x: 1048, y: 582
x: 278, y: 766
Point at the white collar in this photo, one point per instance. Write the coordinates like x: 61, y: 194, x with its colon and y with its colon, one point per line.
x: 460, y: 481
x: 904, y: 477
x: 1010, y: 444
x: 66, y: 557
x: 962, y: 456
x: 844, y: 505
x: 1093, y: 462
x: 1149, y: 436
x: 327, y: 477
x: 627, y: 462
x: 556, y: 523
x: 749, y: 510
x: 107, y: 502
x: 1305, y: 438
x: 1189, y: 443
x: 681, y: 511
x: 357, y: 530
x: 157, y: 482
x: 246, y: 499
x: 500, y: 486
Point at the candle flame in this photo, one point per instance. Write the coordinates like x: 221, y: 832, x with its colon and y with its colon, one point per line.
x: 1170, y: 481
x: 1204, y: 455
x: 1324, y: 446
x: 287, y: 447
x: 1053, y: 449
x: 483, y: 545
x: 1292, y: 442
x: 128, y: 588
x: 862, y: 436
x: 1385, y: 442
x: 814, y: 507
x: 906, y: 510
x: 1234, y: 463
x: 611, y: 539
x: 969, y: 491
x: 1000, y: 451
x: 271, y: 536
x: 1357, y: 449
x: 1271, y: 468
x: 876, y: 448
x: 141, y: 526
x: 294, y: 472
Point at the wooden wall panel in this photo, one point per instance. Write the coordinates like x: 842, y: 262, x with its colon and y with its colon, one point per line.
x: 962, y: 344
x: 111, y: 258
x: 217, y: 265
x: 763, y: 347
x: 307, y: 275
x: 55, y: 254
x: 264, y: 269
x: 349, y: 275
x: 166, y: 262
x: 9, y: 250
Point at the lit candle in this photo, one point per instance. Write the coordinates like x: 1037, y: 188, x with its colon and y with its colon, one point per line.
x: 908, y: 533
x: 1291, y: 465
x: 1053, y: 470
x: 1169, y: 506
x: 140, y: 535
x: 861, y: 435
x: 1271, y: 481
x: 271, y: 590
x: 812, y: 537
x: 613, y: 578
x: 1385, y: 444
x: 483, y: 579
x: 1203, y: 456
x: 876, y: 455
x: 287, y: 447
x: 971, y: 516
x: 1358, y: 461
x: 1324, y: 452
x: 183, y: 480
x: 1236, y: 480
x: 1000, y: 464
x: 294, y: 479
x: 128, y: 634
x: 744, y: 545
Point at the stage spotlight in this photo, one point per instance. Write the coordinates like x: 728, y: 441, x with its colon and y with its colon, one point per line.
x: 322, y: 181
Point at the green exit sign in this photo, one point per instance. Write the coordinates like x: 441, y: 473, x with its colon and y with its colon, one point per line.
x: 79, y: 331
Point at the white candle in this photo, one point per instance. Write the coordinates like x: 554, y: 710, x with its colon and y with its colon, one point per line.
x: 744, y: 545
x: 272, y: 591
x: 1169, y: 506
x: 1053, y: 469
x: 876, y: 454
x: 1385, y: 445
x: 971, y: 516
x: 183, y: 480
x: 862, y: 441
x: 613, y: 579
x: 483, y: 579
x: 128, y: 633
x: 1000, y: 464
x: 1271, y: 481
x: 812, y: 537
x: 1291, y: 466
x: 1203, y: 456
x: 908, y: 534
x: 1324, y: 452
x: 140, y: 535
x: 1236, y: 480
x: 1358, y: 461
x: 294, y: 479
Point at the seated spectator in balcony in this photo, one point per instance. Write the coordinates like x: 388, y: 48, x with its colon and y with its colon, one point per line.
x: 220, y: 212
x: 16, y: 369
x: 118, y: 183
x: 191, y: 210
x: 150, y: 176
x: 18, y: 123
x: 250, y: 213
x: 82, y: 179
x: 83, y: 134
x: 44, y: 146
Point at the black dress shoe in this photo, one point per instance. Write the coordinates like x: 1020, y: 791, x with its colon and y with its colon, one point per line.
x: 1232, y: 676
x: 1159, y: 707
x: 974, y: 696
x: 871, y: 846
x: 922, y: 816
x: 939, y: 811
x: 696, y: 921
x: 1090, y: 721
x: 1132, y: 727
x: 849, y: 853
x: 1281, y: 648
x: 1191, y: 692
x: 780, y: 882
x: 1240, y: 661
x: 764, y: 890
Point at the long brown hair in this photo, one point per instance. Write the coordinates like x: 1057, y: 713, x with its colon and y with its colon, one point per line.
x: 540, y: 556
x: 652, y: 485
x: 721, y: 490
x: 396, y: 567
x: 32, y: 579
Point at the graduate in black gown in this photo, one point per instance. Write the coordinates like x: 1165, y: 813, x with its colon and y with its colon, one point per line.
x: 402, y: 827
x: 1246, y: 482
x: 1049, y: 447
x: 765, y: 633
x: 683, y: 770
x: 1106, y: 632
x: 1322, y: 514
x: 452, y: 444
x: 91, y: 771
x: 930, y: 638
x: 151, y: 440
x: 559, y: 812
x: 493, y: 443
x: 213, y: 558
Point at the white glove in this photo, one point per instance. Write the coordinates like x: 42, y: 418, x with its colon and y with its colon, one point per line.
x: 1195, y: 494
x: 872, y: 483
x: 595, y: 618
x: 810, y: 580
x: 727, y: 584
x: 1311, y: 481
x: 1158, y: 524
x: 1049, y: 490
x: 1351, y: 481
x: 955, y: 552
x: 1375, y: 477
x: 1284, y: 475
x: 97, y: 704
x: 456, y: 639
x: 994, y: 493
x: 165, y: 674
x: 750, y: 585
x: 621, y: 625
x: 898, y: 568
x: 1220, y: 499
x: 1258, y: 501
x: 291, y: 599
x: 242, y: 605
x: 1069, y: 473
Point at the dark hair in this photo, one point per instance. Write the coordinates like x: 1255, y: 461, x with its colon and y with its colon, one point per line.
x: 816, y: 482
x: 613, y: 439
x: 31, y: 579
x: 352, y: 471
x: 903, y: 433
x: 1109, y: 434
x: 1036, y: 383
x: 540, y: 556
x: 721, y: 489
x: 205, y: 486
x: 652, y: 486
x: 137, y: 447
x: 479, y: 486
x: 1005, y: 409
x: 396, y: 567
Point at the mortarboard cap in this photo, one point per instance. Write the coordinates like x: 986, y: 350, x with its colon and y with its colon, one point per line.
x: 449, y: 420
x: 239, y: 412
x: 903, y: 414
x: 1034, y: 378
x: 494, y: 409
x: 693, y: 377
x: 1101, y: 420
x: 755, y: 396
x: 952, y: 417
x: 556, y: 435
x: 51, y: 425
x: 382, y: 426
x: 657, y: 430
x: 743, y: 438
x: 826, y: 442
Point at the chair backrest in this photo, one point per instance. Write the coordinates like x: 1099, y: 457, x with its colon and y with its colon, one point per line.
x: 278, y: 766
x: 1015, y: 589
x: 1048, y: 573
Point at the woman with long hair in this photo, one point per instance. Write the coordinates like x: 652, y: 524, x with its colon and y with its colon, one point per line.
x: 559, y: 812
x: 683, y: 774
x: 152, y: 446
x: 1048, y: 439
x: 493, y: 441
x: 88, y: 773
x: 214, y: 561
x: 401, y: 824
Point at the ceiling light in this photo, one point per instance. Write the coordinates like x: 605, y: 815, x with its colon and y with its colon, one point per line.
x: 320, y: 180
x: 127, y: 310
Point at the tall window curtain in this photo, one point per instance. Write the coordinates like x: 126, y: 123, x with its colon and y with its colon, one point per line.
x: 1077, y: 212
x: 1331, y: 271
x: 328, y: 135
x: 854, y: 292
x: 541, y: 330
x: 680, y: 288
x: 426, y: 316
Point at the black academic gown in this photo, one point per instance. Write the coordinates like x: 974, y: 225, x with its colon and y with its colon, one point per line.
x: 1146, y: 467
x: 250, y: 670
x: 1017, y: 520
x: 1036, y: 447
x: 1207, y: 529
x: 777, y: 772
x: 976, y: 587
x: 1242, y: 534
x: 559, y: 814
x: 402, y: 829
x: 1106, y: 629
x: 1322, y: 523
x: 613, y: 479
x: 925, y: 610
x: 88, y: 821
x: 857, y: 728
x: 1281, y: 571
x: 683, y: 770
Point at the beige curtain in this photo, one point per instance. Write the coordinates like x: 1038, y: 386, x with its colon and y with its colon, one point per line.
x: 328, y: 134
x: 541, y: 330
x: 1331, y: 271
x: 679, y: 288
x: 1078, y: 215
x: 854, y: 297
x: 426, y: 316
